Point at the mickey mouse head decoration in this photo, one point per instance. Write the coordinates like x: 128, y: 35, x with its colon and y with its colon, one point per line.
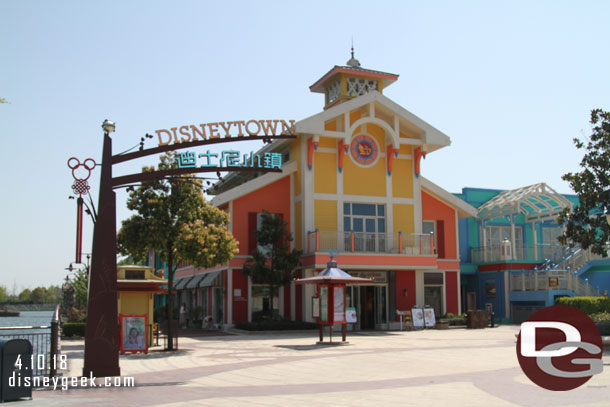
x: 81, y: 173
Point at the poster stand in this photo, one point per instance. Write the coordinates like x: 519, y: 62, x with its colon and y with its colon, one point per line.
x: 429, y: 318
x: 133, y: 333
x: 418, y: 318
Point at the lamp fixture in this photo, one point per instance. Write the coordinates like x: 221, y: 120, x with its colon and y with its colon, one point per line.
x: 108, y: 126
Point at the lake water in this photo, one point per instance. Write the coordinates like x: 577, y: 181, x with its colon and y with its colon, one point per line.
x: 39, y: 338
x: 28, y: 318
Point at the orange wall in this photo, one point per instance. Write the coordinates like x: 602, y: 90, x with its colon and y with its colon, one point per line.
x: 274, y: 198
x: 433, y: 209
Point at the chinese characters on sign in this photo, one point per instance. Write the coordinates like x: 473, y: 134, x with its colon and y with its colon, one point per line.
x: 229, y: 158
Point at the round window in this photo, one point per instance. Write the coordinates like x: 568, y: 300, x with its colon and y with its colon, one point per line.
x: 364, y: 150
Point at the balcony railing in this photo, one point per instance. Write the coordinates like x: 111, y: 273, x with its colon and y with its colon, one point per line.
x: 551, y: 256
x: 533, y: 253
x: 414, y: 244
x: 551, y: 280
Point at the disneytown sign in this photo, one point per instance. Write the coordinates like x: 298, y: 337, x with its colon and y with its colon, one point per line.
x: 101, y: 333
x: 216, y: 130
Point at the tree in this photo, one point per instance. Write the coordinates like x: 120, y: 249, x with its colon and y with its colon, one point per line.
x: 39, y: 295
x: 3, y: 294
x: 586, y: 223
x: 272, y: 263
x: 24, y: 296
x: 52, y: 296
x: 174, y: 219
x: 80, y: 284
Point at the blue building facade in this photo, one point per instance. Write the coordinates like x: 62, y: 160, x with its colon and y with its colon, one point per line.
x: 511, y: 262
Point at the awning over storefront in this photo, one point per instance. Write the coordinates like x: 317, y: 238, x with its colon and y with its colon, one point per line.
x: 194, y: 282
x: 209, y: 278
x: 181, y: 282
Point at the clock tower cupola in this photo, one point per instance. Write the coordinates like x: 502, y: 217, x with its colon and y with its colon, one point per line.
x: 348, y: 81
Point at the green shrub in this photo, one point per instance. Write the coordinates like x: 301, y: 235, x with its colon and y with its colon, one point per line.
x: 588, y: 305
x: 601, y: 317
x: 275, y: 325
x: 73, y: 329
x: 455, y: 320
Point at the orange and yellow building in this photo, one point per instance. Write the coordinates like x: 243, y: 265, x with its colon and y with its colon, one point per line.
x: 350, y: 182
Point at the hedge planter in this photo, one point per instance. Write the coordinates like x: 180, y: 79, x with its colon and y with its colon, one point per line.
x: 604, y: 328
x: 71, y: 329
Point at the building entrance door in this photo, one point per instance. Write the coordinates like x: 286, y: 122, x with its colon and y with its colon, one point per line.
x: 434, y: 298
x: 472, y: 301
x: 367, y: 307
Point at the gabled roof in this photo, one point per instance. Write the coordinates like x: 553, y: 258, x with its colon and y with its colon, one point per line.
x: 463, y: 208
x: 537, y: 202
x: 429, y: 136
x: 386, y: 78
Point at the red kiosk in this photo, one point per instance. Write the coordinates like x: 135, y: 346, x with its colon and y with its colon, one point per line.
x: 329, y: 303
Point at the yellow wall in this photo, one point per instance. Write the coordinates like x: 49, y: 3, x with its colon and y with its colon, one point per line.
x: 405, y: 149
x: 364, y: 181
x: 354, y: 116
x: 402, y: 178
x: 327, y: 142
x: 330, y: 125
x: 135, y: 303
x: 325, y: 173
x: 295, y: 155
x: 325, y: 215
x: 379, y: 134
x: 297, y: 226
x: 403, y: 218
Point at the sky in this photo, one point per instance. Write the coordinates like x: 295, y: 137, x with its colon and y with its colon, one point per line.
x: 510, y: 82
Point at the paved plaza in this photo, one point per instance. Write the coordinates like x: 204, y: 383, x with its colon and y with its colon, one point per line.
x: 426, y: 368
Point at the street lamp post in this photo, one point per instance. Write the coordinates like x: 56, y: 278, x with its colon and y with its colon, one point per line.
x: 102, y: 330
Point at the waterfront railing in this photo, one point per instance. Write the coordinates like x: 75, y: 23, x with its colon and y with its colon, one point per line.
x: 45, y: 342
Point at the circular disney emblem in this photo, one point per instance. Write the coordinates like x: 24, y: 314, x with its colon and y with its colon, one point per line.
x: 364, y: 150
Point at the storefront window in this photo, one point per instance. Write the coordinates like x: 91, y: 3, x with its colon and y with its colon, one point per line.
x: 549, y: 241
x: 495, y: 235
x: 429, y: 228
x: 367, y: 222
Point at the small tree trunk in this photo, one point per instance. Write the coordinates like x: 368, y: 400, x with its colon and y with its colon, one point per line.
x: 270, y: 301
x: 170, y: 300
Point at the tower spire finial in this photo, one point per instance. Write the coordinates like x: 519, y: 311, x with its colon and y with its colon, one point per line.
x: 353, y: 61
